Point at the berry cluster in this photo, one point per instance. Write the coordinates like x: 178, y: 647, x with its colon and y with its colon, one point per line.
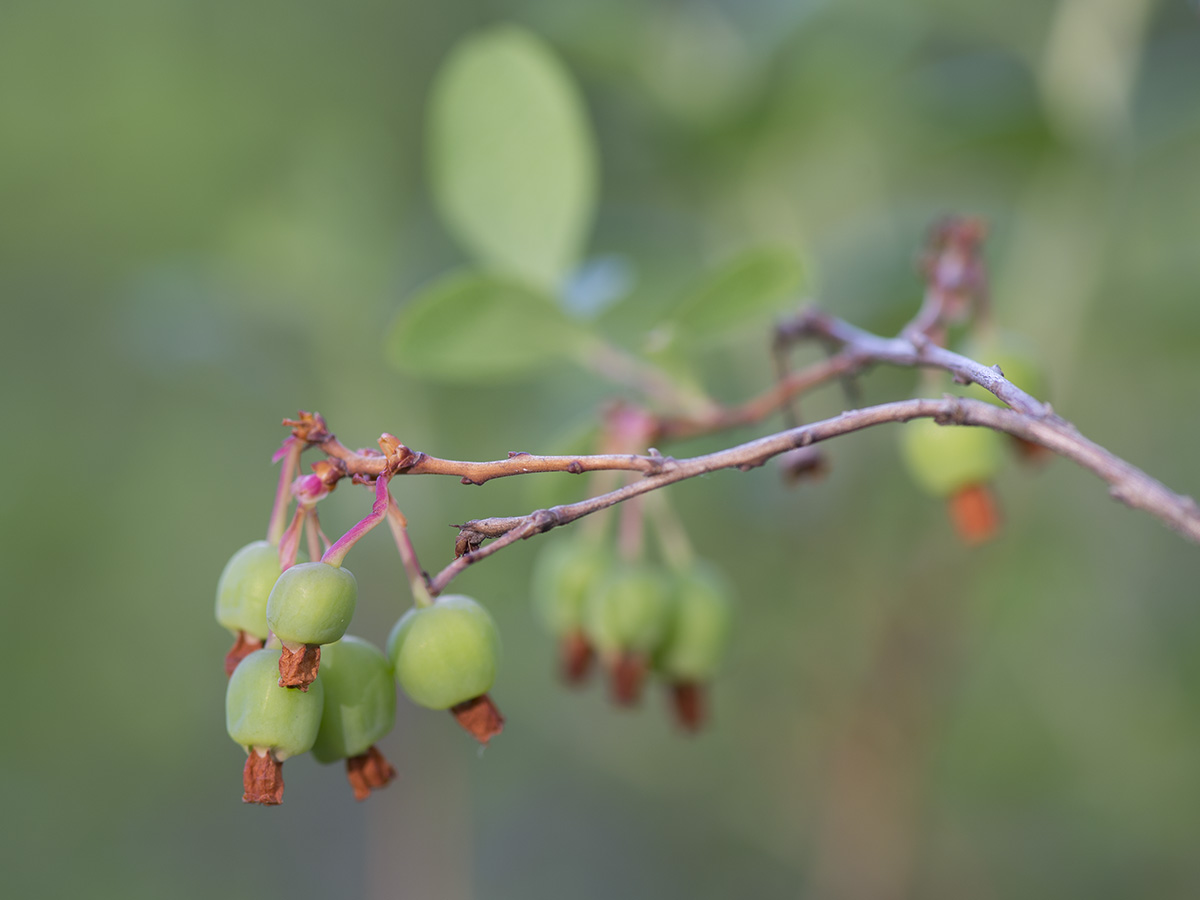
x: 638, y: 618
x: 299, y: 683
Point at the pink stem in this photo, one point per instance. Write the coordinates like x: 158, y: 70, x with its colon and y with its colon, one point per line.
x: 313, y: 533
x: 290, y: 542
x: 408, y: 554
x: 336, y: 554
x: 289, y: 452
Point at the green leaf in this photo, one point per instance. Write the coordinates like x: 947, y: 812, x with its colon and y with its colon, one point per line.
x: 741, y: 293
x: 473, y: 325
x: 512, y: 155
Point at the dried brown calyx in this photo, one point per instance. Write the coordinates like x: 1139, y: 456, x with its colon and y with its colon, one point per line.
x: 368, y: 772
x: 575, y: 657
x: 975, y: 513
x: 262, y: 778
x: 626, y: 673
x: 689, y: 702
x: 298, y: 667
x: 243, y: 645
x: 480, y: 717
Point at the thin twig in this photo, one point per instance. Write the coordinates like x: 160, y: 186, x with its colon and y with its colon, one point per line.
x: 1127, y: 483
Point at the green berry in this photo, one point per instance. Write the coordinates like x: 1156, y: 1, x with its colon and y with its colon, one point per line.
x: 943, y: 459
x: 566, y: 572
x: 244, y: 586
x: 312, y: 603
x: 259, y: 714
x: 360, y: 699
x: 445, y: 654
x: 629, y: 611
x: 700, y: 626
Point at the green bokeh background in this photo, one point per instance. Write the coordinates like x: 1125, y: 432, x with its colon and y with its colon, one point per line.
x: 209, y: 212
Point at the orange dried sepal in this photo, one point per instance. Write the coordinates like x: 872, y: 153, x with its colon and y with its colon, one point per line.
x: 480, y: 717
x: 243, y: 645
x: 262, y: 779
x: 975, y: 514
x: 298, y: 668
x: 368, y: 772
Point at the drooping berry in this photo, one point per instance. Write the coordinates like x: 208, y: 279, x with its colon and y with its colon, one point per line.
x: 696, y: 641
x: 242, y: 592
x: 957, y: 462
x: 311, y: 604
x: 566, y: 573
x: 626, y: 618
x: 270, y: 722
x: 360, y: 708
x: 445, y: 657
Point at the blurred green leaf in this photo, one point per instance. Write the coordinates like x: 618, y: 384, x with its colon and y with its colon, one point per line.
x: 740, y: 294
x: 472, y: 325
x: 512, y: 157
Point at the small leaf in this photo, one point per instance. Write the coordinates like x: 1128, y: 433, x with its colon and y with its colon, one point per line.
x: 473, y: 325
x: 512, y: 155
x: 741, y: 293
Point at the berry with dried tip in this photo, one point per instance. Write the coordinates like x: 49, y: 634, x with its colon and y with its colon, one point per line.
x: 626, y: 618
x: 360, y: 708
x: 242, y: 592
x: 957, y: 462
x: 445, y: 657
x: 696, y: 642
x: 311, y: 604
x: 270, y: 722
x: 567, y: 571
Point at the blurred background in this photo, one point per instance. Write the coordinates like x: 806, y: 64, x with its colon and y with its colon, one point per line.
x: 210, y: 212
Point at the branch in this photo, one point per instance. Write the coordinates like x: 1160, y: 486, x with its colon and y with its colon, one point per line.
x: 1027, y: 418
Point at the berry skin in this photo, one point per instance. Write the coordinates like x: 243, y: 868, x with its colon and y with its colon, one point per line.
x: 360, y: 699
x: 629, y: 611
x: 692, y: 651
x: 566, y: 573
x: 244, y: 586
x: 312, y: 603
x: 242, y: 592
x: 445, y: 654
x: 626, y: 619
x: 359, y: 709
x: 956, y: 462
x: 270, y: 722
x: 942, y: 459
x: 699, y: 633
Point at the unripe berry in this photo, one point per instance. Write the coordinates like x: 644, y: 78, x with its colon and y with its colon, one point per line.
x: 956, y: 462
x: 360, y: 699
x: 312, y: 603
x: 244, y: 586
x: 699, y: 632
x: 566, y: 573
x: 626, y: 619
x: 270, y: 722
x: 629, y: 610
x: 359, y: 709
x: 242, y: 592
x: 445, y: 654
